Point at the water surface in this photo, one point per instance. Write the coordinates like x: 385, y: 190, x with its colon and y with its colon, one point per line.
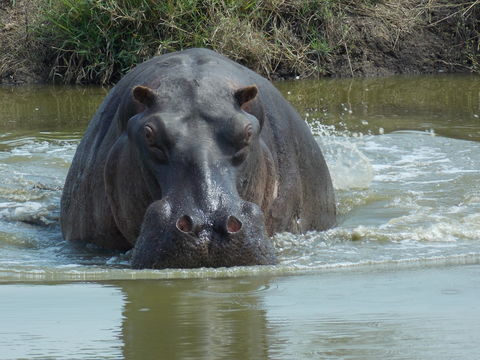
x: 421, y: 313
x: 398, y: 276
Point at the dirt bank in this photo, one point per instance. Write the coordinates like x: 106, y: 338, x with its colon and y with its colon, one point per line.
x: 410, y: 37
x: 357, y: 38
x: 21, y: 54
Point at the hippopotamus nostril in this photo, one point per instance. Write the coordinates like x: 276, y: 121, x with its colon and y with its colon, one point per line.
x: 233, y: 225
x: 185, y: 224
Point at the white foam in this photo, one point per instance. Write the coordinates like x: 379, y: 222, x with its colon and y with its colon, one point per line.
x: 29, y: 212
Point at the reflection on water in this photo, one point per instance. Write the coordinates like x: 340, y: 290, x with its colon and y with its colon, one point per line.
x: 428, y: 313
x: 196, y: 319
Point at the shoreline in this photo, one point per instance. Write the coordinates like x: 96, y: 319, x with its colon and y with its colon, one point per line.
x: 366, y: 38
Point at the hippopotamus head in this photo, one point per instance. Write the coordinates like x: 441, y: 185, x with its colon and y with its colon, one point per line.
x: 196, y: 158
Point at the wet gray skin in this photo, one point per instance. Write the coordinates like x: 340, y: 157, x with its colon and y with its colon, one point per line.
x: 193, y: 160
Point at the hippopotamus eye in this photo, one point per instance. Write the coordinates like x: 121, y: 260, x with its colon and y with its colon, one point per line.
x: 240, y: 156
x: 151, y: 139
x: 149, y: 135
x: 248, y: 134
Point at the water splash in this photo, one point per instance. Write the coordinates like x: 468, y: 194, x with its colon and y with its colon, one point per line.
x: 349, y: 167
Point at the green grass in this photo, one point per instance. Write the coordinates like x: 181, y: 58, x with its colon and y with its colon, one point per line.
x: 97, y: 41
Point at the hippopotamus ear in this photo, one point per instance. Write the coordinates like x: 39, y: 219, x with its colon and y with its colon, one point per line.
x: 244, y: 95
x: 144, y: 95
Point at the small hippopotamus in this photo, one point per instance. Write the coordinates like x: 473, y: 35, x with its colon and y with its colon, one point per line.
x: 193, y: 161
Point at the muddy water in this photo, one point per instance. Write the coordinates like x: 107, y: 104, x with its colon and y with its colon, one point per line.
x: 398, y: 278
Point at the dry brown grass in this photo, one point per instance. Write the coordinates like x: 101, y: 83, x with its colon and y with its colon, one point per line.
x: 280, y: 52
x: 20, y: 53
x: 99, y: 41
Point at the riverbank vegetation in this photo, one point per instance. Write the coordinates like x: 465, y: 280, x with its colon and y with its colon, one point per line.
x: 97, y: 41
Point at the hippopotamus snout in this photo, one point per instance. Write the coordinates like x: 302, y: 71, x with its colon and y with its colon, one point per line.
x: 173, y: 237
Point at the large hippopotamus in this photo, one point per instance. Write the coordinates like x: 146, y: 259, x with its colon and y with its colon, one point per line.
x: 193, y: 160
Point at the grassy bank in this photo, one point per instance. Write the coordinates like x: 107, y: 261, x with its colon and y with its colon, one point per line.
x: 97, y: 41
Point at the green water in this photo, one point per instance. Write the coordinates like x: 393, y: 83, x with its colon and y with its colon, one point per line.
x: 449, y: 105
x: 398, y: 278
